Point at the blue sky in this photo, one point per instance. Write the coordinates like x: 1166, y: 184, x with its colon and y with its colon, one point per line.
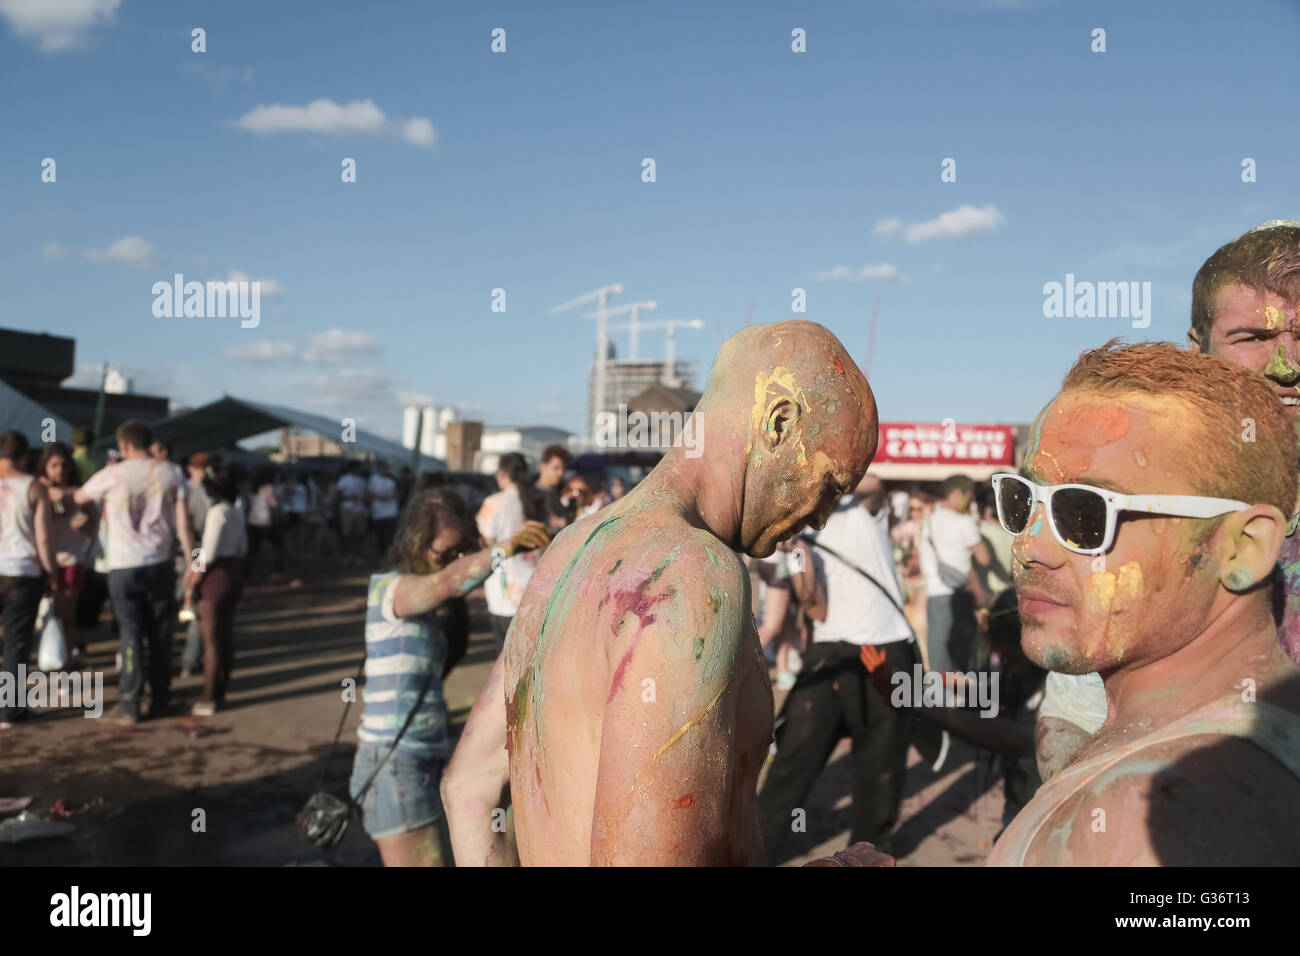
x: 522, y: 171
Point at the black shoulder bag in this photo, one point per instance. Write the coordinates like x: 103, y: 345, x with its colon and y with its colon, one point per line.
x: 324, y: 819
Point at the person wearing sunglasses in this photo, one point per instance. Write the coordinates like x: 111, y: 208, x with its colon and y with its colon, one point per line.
x: 1246, y: 311
x: 1147, y: 523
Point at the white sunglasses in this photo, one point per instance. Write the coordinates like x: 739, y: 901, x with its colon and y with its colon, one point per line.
x: 1083, y: 517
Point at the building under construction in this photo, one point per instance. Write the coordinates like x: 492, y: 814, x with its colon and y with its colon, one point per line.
x: 625, y: 379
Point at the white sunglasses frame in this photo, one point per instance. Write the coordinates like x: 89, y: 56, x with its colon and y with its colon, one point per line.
x: 1174, y: 506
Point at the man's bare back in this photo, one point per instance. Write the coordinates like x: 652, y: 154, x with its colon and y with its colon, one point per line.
x: 612, y: 633
x: 638, y: 707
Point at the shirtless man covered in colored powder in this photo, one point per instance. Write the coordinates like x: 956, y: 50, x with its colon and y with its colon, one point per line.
x: 1168, y: 598
x: 638, y: 705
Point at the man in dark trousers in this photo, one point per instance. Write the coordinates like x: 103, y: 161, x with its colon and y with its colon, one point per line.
x: 858, y: 627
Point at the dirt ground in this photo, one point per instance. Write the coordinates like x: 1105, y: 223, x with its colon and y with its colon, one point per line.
x: 134, y: 792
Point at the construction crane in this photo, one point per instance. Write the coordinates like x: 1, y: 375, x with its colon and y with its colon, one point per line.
x: 670, y: 326
x: 601, y: 296
x: 634, y: 308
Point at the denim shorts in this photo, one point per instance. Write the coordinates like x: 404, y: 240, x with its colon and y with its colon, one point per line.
x: 404, y: 795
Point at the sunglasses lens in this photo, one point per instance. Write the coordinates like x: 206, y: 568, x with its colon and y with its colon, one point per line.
x: 1080, y: 517
x: 1015, y: 504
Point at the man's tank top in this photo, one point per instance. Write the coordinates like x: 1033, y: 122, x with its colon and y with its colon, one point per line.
x: 1270, y: 728
x: 18, y: 556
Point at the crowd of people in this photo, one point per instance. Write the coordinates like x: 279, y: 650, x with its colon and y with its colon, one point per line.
x: 143, y: 545
x: 1132, y: 594
x: 1134, y: 589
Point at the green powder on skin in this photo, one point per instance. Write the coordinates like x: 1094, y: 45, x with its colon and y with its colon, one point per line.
x: 1279, y: 367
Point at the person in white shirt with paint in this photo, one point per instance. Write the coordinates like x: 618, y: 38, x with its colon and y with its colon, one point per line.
x: 144, y: 501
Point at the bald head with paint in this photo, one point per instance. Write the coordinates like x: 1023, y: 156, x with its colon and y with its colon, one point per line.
x: 789, y: 425
x: 1137, y: 421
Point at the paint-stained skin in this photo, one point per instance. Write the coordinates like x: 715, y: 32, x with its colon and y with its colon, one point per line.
x: 1259, y: 330
x: 1072, y: 437
x: 1159, y: 619
x: 1280, y: 366
x: 1069, y: 436
x: 638, y: 705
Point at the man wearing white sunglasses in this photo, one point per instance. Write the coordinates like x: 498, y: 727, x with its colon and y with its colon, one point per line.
x: 1245, y: 310
x: 1155, y: 495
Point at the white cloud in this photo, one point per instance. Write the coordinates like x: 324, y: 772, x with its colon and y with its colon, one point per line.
x: 270, y: 289
x: 352, y: 390
x: 52, y: 250
x: 130, y: 251
x: 335, y: 346
x: 332, y: 347
x: 418, y: 399
x: 261, y: 352
x: 220, y: 78
x: 326, y: 116
x: 959, y: 223
x: 418, y: 131
x: 56, y: 25
x: 887, y: 227
x: 883, y: 270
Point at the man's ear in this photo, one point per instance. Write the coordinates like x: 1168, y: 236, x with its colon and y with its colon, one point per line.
x: 1249, y: 546
x: 1194, y: 341
x: 781, y: 417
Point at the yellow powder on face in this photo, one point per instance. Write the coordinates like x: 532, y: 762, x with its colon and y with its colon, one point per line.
x: 1128, y: 590
x: 780, y: 379
x: 1129, y: 586
x: 1272, y: 317
x: 1099, y: 597
x: 1100, y: 592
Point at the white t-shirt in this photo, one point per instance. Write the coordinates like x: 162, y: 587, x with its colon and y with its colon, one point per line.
x: 139, y: 496
x: 259, y: 510
x: 352, y: 490
x: 500, y: 518
x: 1078, y: 698
x: 18, y: 557
x: 223, y: 532
x: 954, y: 533
x: 383, y: 493
x: 856, y: 610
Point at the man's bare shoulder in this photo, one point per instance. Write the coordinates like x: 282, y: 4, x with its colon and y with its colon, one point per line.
x: 1202, y: 800
x: 677, y: 610
x: 676, y: 558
